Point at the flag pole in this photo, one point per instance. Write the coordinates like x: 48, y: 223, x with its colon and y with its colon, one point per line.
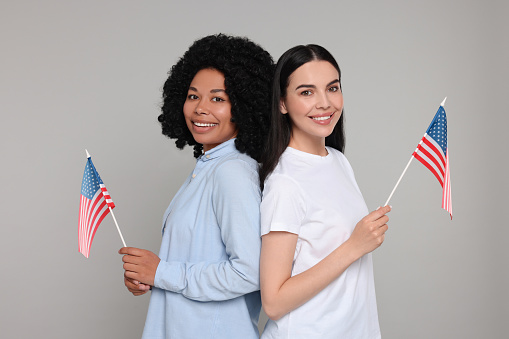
x: 118, y: 228
x: 113, y: 215
x: 411, y: 158
x: 399, y: 180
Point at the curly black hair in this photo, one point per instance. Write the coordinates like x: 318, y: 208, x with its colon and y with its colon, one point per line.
x: 248, y: 70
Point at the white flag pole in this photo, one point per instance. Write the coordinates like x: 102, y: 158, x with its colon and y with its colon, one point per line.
x: 113, y: 215
x: 404, y: 171
x: 402, y: 174
x: 118, y: 228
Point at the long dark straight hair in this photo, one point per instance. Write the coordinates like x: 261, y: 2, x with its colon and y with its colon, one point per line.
x: 280, y: 129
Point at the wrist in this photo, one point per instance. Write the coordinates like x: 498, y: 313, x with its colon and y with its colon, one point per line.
x: 351, y: 252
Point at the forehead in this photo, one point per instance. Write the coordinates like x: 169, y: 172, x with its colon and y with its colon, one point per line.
x: 316, y: 72
x: 208, y: 78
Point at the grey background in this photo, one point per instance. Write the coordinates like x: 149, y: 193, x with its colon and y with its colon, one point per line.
x: 88, y: 74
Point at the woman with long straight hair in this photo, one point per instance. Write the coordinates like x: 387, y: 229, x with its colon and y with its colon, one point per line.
x: 316, y: 270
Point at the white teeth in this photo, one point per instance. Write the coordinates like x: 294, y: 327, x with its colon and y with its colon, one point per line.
x: 321, y: 118
x: 203, y: 125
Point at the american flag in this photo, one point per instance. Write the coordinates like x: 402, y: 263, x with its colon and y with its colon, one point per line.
x: 432, y: 152
x: 95, y: 204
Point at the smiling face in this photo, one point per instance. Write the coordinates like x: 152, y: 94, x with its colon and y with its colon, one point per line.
x: 314, y: 103
x: 207, y: 109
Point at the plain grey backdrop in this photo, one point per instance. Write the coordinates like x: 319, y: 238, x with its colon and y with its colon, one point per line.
x: 88, y: 74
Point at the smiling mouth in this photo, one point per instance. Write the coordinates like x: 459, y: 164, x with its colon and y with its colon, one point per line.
x: 327, y: 117
x: 200, y: 124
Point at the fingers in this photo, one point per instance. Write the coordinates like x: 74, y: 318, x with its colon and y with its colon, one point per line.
x: 140, y: 265
x: 124, y: 250
x: 381, y: 234
x: 378, y: 216
x: 129, y: 267
x: 127, y: 258
x: 131, y: 284
x: 144, y: 287
x: 133, y: 259
x: 380, y: 211
x: 132, y: 275
x: 135, y: 289
x: 135, y: 286
x: 140, y: 276
x: 138, y: 256
x: 131, y: 251
x: 381, y: 221
x: 381, y: 230
x: 139, y: 293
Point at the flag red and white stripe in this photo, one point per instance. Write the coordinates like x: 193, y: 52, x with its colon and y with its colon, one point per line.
x: 92, y: 213
x: 95, y: 204
x: 430, y: 154
x: 446, y: 194
x: 433, y: 153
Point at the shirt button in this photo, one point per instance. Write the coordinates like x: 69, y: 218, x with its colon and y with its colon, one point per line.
x: 207, y: 156
x: 194, y: 176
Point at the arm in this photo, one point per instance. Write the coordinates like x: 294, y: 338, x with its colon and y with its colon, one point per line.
x: 235, y: 205
x: 282, y: 293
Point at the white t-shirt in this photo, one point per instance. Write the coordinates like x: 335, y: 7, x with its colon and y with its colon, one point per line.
x: 318, y: 199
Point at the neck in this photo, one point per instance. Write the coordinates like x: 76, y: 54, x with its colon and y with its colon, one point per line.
x: 312, y: 145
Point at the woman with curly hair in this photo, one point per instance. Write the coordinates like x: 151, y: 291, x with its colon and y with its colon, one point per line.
x: 205, y: 281
x: 316, y: 271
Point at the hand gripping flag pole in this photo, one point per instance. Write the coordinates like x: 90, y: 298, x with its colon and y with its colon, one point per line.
x: 433, y: 153
x: 95, y: 204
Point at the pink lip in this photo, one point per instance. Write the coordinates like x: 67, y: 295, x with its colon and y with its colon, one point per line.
x: 322, y: 115
x: 325, y: 121
x: 202, y: 129
x: 204, y: 122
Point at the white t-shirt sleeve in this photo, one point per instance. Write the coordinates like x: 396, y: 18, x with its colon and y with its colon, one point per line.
x: 282, y: 207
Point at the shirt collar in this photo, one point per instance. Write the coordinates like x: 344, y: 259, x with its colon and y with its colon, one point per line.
x: 218, y: 151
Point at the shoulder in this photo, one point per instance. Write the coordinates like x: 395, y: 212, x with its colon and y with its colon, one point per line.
x: 282, y: 187
x: 288, y: 164
x: 285, y: 176
x: 341, y: 158
x: 282, y: 182
x: 283, y: 205
x: 336, y: 154
x: 236, y: 164
x: 236, y: 170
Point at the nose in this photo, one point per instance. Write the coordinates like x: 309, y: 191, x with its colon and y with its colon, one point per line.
x: 322, y: 101
x: 201, y: 108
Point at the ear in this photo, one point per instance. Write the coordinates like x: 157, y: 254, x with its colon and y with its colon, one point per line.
x: 282, y: 106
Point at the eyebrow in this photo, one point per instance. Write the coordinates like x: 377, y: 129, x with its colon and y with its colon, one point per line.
x: 211, y: 91
x: 313, y: 86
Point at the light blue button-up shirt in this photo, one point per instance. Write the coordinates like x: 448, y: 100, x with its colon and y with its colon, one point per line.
x: 207, y: 283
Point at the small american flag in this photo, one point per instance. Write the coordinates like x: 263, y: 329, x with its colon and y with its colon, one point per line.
x: 432, y: 152
x: 95, y: 204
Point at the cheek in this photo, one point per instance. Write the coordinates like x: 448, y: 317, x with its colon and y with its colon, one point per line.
x: 338, y: 102
x: 226, y: 110
x: 298, y: 106
x: 187, y: 109
x: 224, y: 114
